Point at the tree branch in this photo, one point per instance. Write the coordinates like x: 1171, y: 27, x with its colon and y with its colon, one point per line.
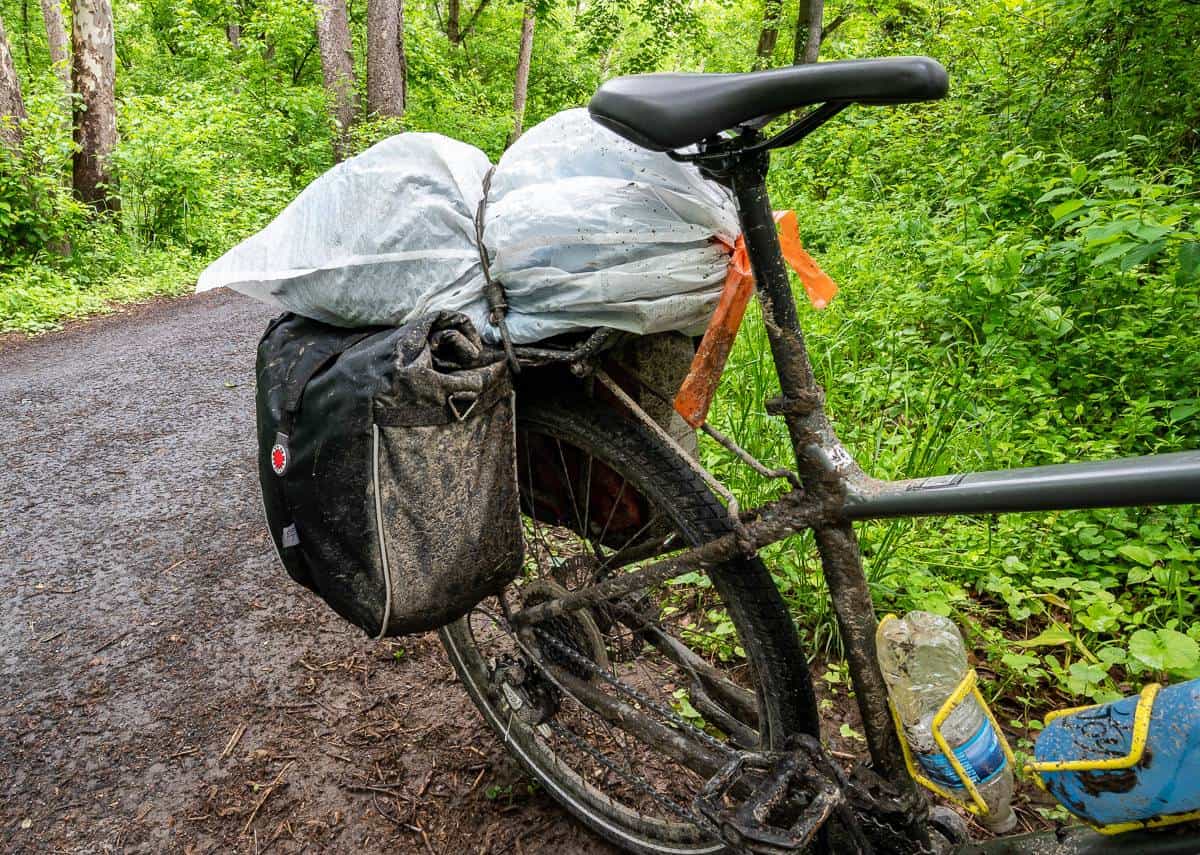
x: 298, y: 70
x: 839, y: 19
x: 466, y: 31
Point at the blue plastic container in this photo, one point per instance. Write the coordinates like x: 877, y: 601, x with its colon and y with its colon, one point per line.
x: 1127, y: 763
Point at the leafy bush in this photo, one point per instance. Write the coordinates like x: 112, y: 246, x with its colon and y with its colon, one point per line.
x: 1012, y: 295
x: 36, y: 209
x: 1020, y: 264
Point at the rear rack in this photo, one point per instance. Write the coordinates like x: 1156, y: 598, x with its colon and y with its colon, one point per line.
x: 573, y: 357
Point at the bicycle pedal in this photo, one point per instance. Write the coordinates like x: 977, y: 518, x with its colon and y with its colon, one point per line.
x: 770, y: 804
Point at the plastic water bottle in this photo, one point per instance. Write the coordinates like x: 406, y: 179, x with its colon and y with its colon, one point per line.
x: 923, y: 662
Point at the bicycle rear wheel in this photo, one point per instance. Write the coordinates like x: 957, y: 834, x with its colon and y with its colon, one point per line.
x: 620, y: 710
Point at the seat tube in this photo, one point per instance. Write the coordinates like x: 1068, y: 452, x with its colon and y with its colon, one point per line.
x: 803, y: 411
x: 748, y: 180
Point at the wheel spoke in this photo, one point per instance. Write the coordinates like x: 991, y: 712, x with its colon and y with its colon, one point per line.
x: 628, y: 699
x: 613, y: 510
x: 570, y: 490
x: 587, y: 500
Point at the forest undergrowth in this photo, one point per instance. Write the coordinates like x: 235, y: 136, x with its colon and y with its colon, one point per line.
x: 1019, y: 264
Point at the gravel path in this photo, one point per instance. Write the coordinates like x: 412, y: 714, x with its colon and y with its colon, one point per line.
x: 164, y: 686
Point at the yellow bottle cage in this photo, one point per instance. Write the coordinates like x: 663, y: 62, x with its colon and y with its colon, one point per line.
x: 1137, y: 748
x: 967, y: 687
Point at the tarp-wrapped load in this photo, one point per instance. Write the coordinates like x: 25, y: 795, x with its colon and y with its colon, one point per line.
x: 379, y: 240
x: 582, y: 228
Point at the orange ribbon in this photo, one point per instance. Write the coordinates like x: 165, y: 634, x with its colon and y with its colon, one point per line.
x: 820, y: 288
x: 817, y: 284
x: 696, y: 394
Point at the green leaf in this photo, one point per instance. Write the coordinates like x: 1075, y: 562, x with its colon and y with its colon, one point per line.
x: 1183, y: 411
x: 1164, y: 649
x: 1052, y: 636
x: 683, y: 704
x: 1126, y: 186
x: 1142, y: 253
x: 1084, y: 677
x: 1150, y: 233
x: 1189, y: 262
x: 1141, y: 554
x: 1112, y: 655
x: 1054, y: 194
x: 1114, y: 251
x: 1138, y: 575
x: 1021, y: 662
x: 1103, y: 233
x: 1066, y: 208
x: 1102, y: 617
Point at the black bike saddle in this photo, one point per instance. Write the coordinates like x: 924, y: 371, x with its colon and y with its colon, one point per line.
x: 670, y: 111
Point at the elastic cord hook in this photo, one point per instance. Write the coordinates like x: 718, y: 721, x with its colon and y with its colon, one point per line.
x: 493, y: 291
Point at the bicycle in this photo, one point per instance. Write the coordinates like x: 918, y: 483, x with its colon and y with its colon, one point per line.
x: 609, y: 670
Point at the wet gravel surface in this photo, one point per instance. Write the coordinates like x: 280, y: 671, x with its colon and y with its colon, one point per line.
x: 163, y: 686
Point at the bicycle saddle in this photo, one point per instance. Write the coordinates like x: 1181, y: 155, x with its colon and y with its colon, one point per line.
x: 670, y: 111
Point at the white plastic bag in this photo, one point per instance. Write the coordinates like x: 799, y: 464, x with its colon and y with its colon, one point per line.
x: 583, y: 229
x: 381, y: 238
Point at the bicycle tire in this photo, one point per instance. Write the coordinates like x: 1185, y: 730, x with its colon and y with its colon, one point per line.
x: 763, y: 624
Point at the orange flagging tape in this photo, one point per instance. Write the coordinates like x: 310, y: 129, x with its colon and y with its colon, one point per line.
x: 696, y: 394
x: 819, y: 287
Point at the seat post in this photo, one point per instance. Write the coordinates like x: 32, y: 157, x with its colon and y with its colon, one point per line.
x: 747, y: 178
x: 803, y: 410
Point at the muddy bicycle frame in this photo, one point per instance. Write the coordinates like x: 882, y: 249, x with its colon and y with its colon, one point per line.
x: 836, y: 492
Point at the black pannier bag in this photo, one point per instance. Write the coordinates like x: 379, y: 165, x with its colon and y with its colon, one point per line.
x: 387, y: 458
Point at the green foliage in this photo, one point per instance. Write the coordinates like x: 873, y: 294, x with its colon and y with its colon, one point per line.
x: 1020, y: 264
x: 36, y: 210
x: 39, y: 296
x: 1019, y: 286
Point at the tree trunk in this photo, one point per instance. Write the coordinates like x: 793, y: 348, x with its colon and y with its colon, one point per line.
x: 337, y: 68
x: 385, y: 57
x: 12, y: 106
x: 808, y: 31
x: 56, y: 38
x: 521, y: 89
x: 453, y: 14
x: 772, y: 15
x: 94, y: 74
x: 233, y: 32
x: 400, y: 52
x: 456, y: 30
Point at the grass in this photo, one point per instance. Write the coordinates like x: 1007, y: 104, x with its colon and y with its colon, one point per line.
x: 1095, y: 579
x: 39, y: 297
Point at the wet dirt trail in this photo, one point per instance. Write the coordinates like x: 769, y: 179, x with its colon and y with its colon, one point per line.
x: 163, y: 686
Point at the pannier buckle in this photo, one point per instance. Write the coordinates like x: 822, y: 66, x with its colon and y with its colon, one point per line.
x: 468, y: 399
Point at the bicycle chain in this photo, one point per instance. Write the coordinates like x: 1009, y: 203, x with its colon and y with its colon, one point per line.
x: 637, y: 696
x: 638, y: 782
x: 864, y: 807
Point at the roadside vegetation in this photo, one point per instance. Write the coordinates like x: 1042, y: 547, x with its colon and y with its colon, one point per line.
x: 1019, y: 264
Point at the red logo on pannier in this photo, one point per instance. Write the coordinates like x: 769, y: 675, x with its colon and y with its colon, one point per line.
x: 279, y: 458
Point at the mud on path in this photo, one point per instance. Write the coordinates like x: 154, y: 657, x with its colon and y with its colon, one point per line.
x: 163, y: 686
